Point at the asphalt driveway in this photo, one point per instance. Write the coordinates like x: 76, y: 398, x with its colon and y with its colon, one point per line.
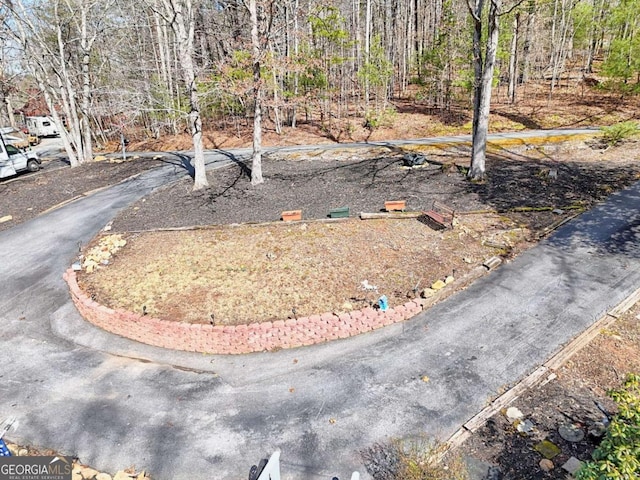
x: 116, y: 403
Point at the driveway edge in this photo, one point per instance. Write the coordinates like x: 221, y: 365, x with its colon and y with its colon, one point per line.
x: 544, y: 373
x: 255, y: 337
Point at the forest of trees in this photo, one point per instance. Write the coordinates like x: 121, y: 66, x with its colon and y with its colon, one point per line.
x: 163, y: 66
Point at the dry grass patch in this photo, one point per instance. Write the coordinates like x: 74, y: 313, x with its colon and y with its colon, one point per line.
x: 277, y: 271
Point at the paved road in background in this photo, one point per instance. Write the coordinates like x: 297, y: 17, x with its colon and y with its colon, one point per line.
x: 116, y: 403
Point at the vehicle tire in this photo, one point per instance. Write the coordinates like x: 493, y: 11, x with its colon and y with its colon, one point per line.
x: 33, y: 165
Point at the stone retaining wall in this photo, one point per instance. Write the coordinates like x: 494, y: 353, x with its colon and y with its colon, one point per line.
x: 218, y: 339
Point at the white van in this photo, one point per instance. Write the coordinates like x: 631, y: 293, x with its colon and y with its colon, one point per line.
x: 42, y: 127
x: 14, y: 160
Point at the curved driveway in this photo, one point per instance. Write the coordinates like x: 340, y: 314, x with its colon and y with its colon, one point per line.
x: 115, y: 403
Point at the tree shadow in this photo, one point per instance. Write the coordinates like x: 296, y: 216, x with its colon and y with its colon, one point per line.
x: 610, y: 228
x: 452, y: 116
x: 182, y: 160
x: 516, y: 180
x: 243, y: 164
x: 525, y: 120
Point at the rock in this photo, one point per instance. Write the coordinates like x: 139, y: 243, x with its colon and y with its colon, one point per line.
x: 571, y: 432
x: 513, y: 413
x: 122, y: 475
x: 103, y: 476
x: 597, y: 429
x: 476, y: 469
x: 525, y: 427
x: 88, y: 473
x: 413, y: 159
x: 449, y: 280
x: 547, y: 449
x: 6, y: 218
x: 427, y: 292
x: 492, y: 263
x: 439, y: 285
x: 23, y: 452
x: 347, y: 306
x: 572, y: 465
x: 546, y: 465
x: 494, y: 473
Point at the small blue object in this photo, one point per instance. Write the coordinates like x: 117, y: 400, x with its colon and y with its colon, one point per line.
x: 4, y: 451
x: 383, y: 303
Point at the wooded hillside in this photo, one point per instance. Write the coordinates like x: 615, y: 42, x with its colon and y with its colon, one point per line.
x: 118, y: 66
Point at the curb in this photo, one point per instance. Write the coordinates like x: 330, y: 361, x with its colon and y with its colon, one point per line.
x: 255, y: 337
x: 544, y: 373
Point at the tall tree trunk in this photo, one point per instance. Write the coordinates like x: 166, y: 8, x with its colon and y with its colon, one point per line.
x: 483, y: 70
x: 528, y: 39
x: 85, y: 46
x: 182, y: 21
x: 12, y: 120
x: 416, y: 36
x: 513, y: 59
x: 256, y: 161
x: 68, y: 93
x: 594, y: 33
x: 556, y: 47
x: 296, y: 50
x: 367, y: 52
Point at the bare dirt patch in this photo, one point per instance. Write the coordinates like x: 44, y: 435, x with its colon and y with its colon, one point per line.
x: 278, y: 271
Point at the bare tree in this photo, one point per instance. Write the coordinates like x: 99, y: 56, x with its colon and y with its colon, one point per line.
x: 46, y: 61
x: 483, y: 76
x: 6, y: 80
x: 528, y: 40
x: 513, y: 59
x: 256, y: 53
x: 180, y: 15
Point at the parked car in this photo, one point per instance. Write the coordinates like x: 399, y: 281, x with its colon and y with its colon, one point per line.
x: 14, y: 160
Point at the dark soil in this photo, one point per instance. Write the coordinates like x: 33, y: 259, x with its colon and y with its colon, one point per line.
x: 315, y: 187
x: 27, y: 195
x: 576, y: 176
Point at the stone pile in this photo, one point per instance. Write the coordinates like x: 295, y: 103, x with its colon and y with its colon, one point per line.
x: 80, y: 471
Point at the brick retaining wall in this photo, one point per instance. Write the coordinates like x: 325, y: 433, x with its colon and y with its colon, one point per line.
x: 218, y: 339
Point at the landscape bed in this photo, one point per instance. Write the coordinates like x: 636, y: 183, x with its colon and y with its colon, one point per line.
x: 198, y: 257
